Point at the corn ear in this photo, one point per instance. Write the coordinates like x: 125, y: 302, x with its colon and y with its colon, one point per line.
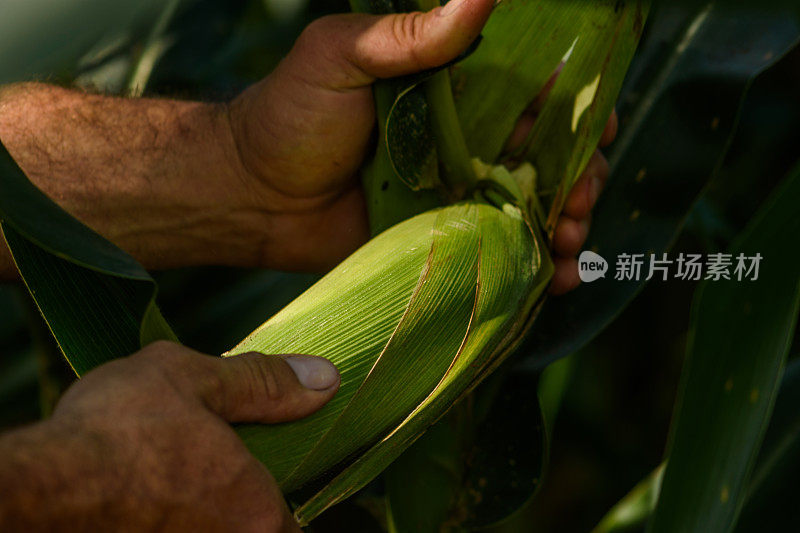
x: 413, y: 320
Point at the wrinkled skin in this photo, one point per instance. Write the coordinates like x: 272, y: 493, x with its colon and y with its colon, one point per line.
x: 145, y: 443
x: 323, y: 133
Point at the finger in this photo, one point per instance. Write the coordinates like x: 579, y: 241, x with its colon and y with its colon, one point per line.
x: 565, y: 277
x: 587, y: 189
x: 610, y: 131
x: 538, y: 103
x: 569, y: 236
x: 526, y: 121
x: 265, y: 508
x: 269, y: 388
x: 350, y: 51
x: 520, y: 133
x: 251, y: 387
x: 259, y: 503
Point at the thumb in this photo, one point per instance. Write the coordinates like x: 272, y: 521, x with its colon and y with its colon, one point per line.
x: 350, y: 51
x: 267, y: 388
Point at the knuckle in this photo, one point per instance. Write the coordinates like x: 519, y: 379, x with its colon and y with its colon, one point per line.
x: 319, y: 30
x: 162, y: 345
x: 159, y: 352
x: 408, y: 31
x: 148, y: 359
x: 312, y: 32
x: 263, y: 383
x: 212, y: 387
x: 311, y: 42
x: 325, y: 53
x: 170, y: 364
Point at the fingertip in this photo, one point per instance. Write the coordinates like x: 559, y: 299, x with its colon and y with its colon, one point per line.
x: 569, y: 236
x: 254, y: 387
x: 313, y: 373
x: 528, y: 117
x: 385, y: 46
x: 538, y: 103
x: 472, y: 12
x: 520, y: 133
x: 370, y: 47
x: 565, y: 277
x: 455, y: 26
x: 610, y: 130
x: 586, y: 191
x: 581, y: 198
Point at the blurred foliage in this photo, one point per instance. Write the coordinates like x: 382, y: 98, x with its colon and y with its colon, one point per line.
x: 738, y: 343
x: 612, y: 425
x: 19, y: 386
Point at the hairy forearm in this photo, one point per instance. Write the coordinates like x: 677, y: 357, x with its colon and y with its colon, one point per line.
x: 160, y: 178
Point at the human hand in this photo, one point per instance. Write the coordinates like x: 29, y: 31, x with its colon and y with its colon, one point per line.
x: 572, y: 227
x: 145, y: 443
x: 302, y: 132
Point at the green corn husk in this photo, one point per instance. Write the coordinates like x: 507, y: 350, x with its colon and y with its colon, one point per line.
x: 417, y: 317
x: 422, y: 313
x: 413, y: 320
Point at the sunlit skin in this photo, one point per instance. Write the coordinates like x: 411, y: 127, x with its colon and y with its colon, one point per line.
x: 144, y: 443
x: 269, y: 180
x: 327, y: 139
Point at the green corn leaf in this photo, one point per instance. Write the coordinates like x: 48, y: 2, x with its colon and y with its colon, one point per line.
x: 389, y: 198
x: 599, y: 39
x: 499, y: 81
x: 636, y: 507
x: 410, y: 140
x: 771, y: 495
x: 61, y: 261
x: 97, y: 300
x: 676, y: 128
x: 434, y: 466
x: 568, y: 129
x: 398, y: 180
x: 739, y: 339
x: 768, y: 504
x: 482, y: 464
x: 492, y: 88
x: 476, y: 466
